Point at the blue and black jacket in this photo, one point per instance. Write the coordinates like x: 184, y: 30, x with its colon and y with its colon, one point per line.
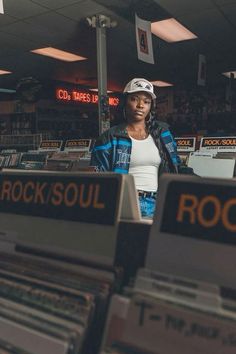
x: 112, y: 150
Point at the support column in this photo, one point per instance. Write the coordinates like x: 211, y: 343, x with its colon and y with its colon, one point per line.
x: 101, y: 23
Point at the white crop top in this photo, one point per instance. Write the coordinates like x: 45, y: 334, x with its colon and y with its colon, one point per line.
x: 144, y: 164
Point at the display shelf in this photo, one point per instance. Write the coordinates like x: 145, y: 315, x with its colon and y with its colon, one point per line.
x: 20, y: 142
x: 23, y: 123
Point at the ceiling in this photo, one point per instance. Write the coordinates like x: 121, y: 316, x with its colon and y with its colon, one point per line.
x: 32, y: 24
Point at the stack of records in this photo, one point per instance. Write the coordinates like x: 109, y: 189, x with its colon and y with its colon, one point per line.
x: 49, y: 306
x: 170, y: 314
x: 10, y: 160
x: 66, y: 161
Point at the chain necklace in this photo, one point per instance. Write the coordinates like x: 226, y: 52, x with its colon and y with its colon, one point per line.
x: 137, y: 134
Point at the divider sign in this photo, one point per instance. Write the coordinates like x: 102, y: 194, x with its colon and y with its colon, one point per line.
x: 218, y: 144
x: 194, y: 229
x: 186, y: 144
x: 80, y: 145
x: 60, y: 212
x: 50, y: 145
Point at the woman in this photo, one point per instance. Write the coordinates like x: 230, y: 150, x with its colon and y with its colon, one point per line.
x: 141, y: 146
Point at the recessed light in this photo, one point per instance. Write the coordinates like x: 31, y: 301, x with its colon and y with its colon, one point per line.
x: 171, y: 30
x: 4, y: 72
x: 160, y: 83
x: 230, y: 74
x: 58, y: 54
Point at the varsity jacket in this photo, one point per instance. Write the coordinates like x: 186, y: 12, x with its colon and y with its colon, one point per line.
x: 112, y: 149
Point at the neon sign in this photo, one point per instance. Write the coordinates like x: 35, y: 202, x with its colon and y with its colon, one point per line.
x: 81, y: 96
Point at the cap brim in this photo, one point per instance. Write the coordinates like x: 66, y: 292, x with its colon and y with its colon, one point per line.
x: 143, y: 90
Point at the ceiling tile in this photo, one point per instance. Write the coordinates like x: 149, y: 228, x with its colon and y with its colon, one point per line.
x: 34, y: 34
x: 54, y: 26
x: 224, y: 2
x: 179, y: 7
x: 22, y: 8
x: 230, y: 13
x: 13, y: 43
x: 6, y: 20
x: 206, y: 24
x: 82, y: 9
x: 56, y: 4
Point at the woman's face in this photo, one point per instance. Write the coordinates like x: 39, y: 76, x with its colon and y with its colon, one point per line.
x: 138, y: 106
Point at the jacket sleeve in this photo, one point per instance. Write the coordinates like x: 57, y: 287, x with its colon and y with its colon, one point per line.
x: 171, y: 148
x: 101, y: 154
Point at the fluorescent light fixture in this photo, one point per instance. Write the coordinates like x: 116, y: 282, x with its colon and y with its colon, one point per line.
x: 228, y: 74
x: 4, y: 72
x: 171, y: 30
x: 58, y: 54
x: 4, y: 90
x: 161, y: 83
x: 96, y: 90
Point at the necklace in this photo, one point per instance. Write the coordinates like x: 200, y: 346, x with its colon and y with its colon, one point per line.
x: 137, y: 134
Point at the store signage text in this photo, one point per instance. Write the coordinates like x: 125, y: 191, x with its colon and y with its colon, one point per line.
x: 194, y: 209
x: 224, y: 144
x: 83, y: 144
x: 201, y: 210
x: 81, y: 96
x: 186, y: 144
x: 52, y: 145
x: 77, y: 198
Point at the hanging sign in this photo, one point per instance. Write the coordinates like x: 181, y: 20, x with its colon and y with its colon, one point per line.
x: 144, y: 40
x: 1, y: 7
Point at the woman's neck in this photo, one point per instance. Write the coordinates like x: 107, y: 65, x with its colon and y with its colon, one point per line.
x: 137, y: 130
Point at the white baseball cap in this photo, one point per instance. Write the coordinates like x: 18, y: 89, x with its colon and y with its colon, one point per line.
x: 139, y: 84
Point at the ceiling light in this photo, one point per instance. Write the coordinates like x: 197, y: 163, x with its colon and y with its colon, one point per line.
x: 3, y: 72
x: 58, y: 54
x: 229, y: 74
x: 4, y: 90
x: 161, y: 83
x: 171, y: 30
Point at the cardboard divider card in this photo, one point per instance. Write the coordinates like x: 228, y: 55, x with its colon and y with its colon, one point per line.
x: 223, y: 144
x: 75, y: 214
x: 186, y: 144
x: 82, y: 145
x: 206, y: 166
x: 50, y: 145
x: 193, y: 231
x: 155, y: 326
x: 130, y: 209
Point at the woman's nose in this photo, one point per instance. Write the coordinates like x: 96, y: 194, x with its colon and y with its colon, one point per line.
x: 140, y: 103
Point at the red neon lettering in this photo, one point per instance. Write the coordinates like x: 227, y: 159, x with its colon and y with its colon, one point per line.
x: 85, y: 97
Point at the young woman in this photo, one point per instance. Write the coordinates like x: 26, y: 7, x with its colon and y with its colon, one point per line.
x: 141, y: 146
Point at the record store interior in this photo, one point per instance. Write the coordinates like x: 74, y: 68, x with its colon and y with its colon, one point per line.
x: 108, y: 245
